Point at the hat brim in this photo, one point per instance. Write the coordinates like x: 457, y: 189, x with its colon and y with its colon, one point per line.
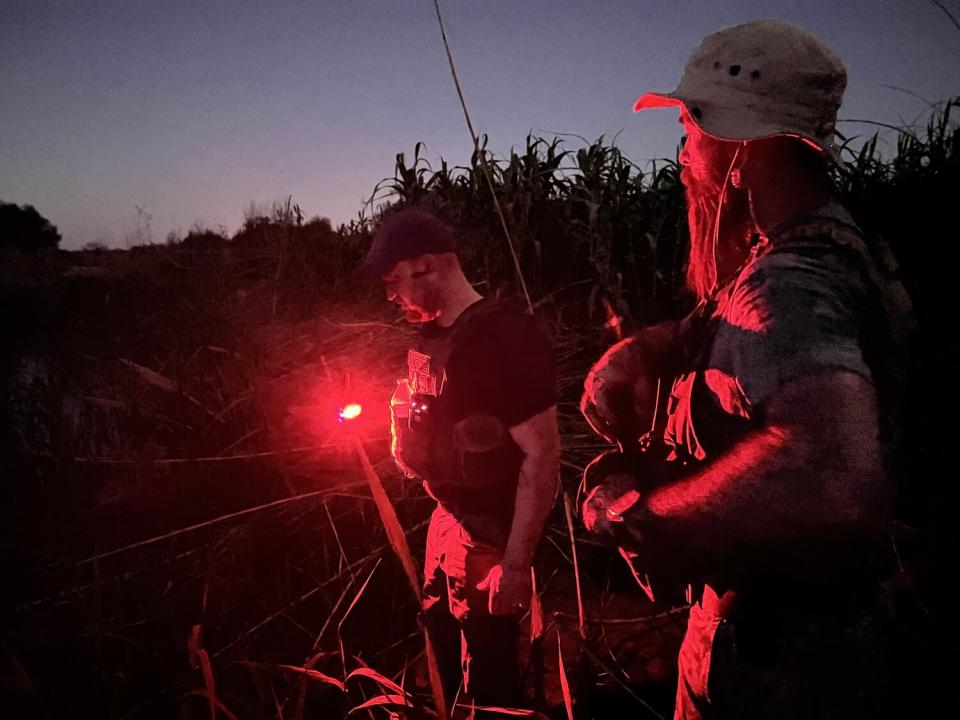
x: 652, y: 100
x: 749, y: 131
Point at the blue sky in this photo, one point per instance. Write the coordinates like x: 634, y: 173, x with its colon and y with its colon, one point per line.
x: 194, y: 110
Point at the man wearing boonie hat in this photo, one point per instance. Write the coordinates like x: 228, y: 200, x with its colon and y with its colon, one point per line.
x: 784, y: 495
x: 476, y: 420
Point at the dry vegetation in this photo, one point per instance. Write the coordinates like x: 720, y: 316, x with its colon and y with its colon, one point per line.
x: 186, y: 525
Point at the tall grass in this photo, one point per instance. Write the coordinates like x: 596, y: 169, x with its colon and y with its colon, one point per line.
x: 588, y: 217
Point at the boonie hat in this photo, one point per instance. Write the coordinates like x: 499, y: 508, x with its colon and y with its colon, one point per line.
x: 761, y: 79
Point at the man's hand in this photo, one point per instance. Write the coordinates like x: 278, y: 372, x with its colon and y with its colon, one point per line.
x: 509, y: 589
x: 604, y: 507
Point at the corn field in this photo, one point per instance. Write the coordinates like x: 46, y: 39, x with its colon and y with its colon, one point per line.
x: 186, y: 526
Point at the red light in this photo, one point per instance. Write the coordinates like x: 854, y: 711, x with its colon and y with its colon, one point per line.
x: 351, y: 411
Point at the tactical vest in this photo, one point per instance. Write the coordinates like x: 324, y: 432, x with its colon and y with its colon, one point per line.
x: 469, y: 465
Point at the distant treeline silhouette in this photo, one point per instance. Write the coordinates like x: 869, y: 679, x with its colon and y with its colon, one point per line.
x: 23, y: 228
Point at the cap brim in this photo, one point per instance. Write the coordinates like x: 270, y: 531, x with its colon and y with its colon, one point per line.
x: 372, y: 269
x: 651, y: 100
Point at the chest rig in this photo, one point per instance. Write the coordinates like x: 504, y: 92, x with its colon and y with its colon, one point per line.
x: 465, y: 456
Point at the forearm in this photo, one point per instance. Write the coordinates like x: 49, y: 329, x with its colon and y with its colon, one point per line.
x: 536, y: 492
x: 777, y: 487
x: 764, y: 488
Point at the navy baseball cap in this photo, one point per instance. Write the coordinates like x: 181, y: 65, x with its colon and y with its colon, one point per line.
x: 404, y: 235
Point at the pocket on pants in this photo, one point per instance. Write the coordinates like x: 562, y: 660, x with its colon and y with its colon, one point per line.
x: 471, y: 566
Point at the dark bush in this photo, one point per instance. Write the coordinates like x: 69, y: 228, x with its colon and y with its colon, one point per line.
x: 23, y: 228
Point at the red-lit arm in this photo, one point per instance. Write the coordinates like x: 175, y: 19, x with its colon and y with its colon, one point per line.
x: 813, y: 467
x: 537, y: 485
x: 539, y: 440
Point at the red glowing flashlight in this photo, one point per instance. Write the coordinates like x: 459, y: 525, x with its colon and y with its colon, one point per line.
x: 350, y: 412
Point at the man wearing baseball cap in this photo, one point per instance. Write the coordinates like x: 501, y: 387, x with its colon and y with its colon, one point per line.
x: 784, y: 497
x: 475, y: 419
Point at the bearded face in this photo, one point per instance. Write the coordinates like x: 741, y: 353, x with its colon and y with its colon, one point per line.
x: 706, y: 164
x: 413, y: 285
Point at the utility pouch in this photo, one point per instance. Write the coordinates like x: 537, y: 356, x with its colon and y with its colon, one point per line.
x: 409, y: 441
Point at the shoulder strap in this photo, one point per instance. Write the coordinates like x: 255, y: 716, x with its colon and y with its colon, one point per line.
x: 889, y: 321
x: 836, y: 230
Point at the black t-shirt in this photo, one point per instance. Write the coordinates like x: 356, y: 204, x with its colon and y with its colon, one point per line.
x: 494, y: 369
x: 500, y: 362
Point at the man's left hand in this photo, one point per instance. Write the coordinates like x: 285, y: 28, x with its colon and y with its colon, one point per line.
x: 509, y: 589
x: 603, y: 509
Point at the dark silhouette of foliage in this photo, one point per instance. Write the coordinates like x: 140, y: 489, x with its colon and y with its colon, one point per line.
x: 203, y: 240
x: 23, y: 228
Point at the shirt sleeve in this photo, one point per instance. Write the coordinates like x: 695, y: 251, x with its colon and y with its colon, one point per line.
x: 791, y: 316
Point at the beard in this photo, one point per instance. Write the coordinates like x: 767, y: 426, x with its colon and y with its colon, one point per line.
x: 416, y: 315
x: 703, y: 197
x: 424, y: 307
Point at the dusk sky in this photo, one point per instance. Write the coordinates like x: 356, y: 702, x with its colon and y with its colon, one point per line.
x: 194, y: 110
